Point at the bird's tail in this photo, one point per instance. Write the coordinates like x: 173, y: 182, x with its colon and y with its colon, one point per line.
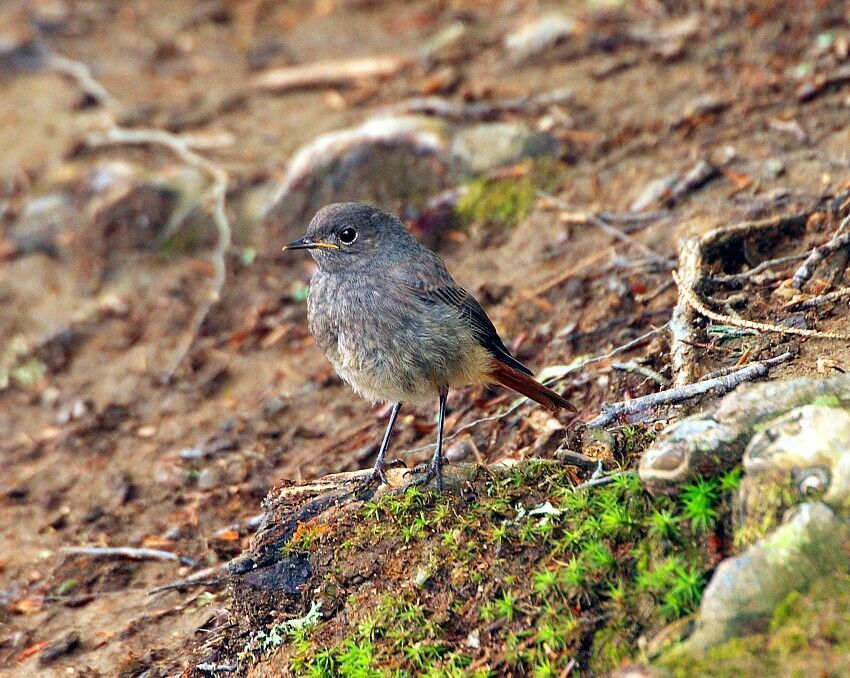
x: 528, y: 386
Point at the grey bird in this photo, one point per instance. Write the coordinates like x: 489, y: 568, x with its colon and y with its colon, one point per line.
x: 396, y: 326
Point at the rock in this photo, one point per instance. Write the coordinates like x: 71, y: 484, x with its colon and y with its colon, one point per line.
x: 65, y: 645
x: 712, y: 442
x: 539, y: 35
x: 23, y: 56
x: 483, y: 147
x: 126, y: 208
x: 452, y: 43
x: 387, y: 161
x: 745, y: 589
x: 208, y: 479
x: 810, y: 445
x: 397, y: 161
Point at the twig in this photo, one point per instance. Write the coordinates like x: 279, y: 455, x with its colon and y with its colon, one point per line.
x: 693, y: 299
x: 121, y: 552
x: 806, y: 271
x: 682, y: 340
x: 328, y: 74
x: 642, y: 370
x: 209, y: 575
x: 81, y: 74
x: 735, y: 278
x: 625, y: 237
x: 216, y: 194
x: 604, y: 480
x: 819, y: 300
x: 675, y: 395
x: 480, y: 110
x: 600, y: 223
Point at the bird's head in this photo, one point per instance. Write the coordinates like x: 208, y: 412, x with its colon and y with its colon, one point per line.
x: 351, y: 234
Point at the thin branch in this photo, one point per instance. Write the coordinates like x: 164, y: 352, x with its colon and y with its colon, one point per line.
x: 205, y: 577
x: 643, y: 371
x: 820, y: 300
x: 675, y: 395
x: 461, y: 111
x: 216, y: 194
x: 693, y: 299
x: 603, y: 480
x: 839, y: 241
x: 81, y: 74
x: 120, y: 552
x: 733, y: 278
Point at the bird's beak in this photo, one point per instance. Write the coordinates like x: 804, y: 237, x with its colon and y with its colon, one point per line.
x: 306, y: 244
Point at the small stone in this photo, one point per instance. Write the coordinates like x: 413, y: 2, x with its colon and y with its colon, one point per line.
x: 538, y: 36
x: 487, y: 146
x: 460, y: 451
x: 773, y: 169
x: 65, y: 645
x: 146, y: 431
x: 208, y: 479
x: 274, y: 407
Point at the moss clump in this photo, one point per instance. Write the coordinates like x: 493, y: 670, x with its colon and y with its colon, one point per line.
x: 524, y: 574
x: 808, y: 636
x: 504, y: 202
x: 827, y: 401
x: 500, y: 202
x: 764, y: 498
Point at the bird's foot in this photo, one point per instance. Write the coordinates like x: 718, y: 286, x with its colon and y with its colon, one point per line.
x: 377, y: 476
x: 427, y: 473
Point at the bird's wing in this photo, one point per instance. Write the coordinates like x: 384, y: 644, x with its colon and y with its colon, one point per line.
x: 437, y: 287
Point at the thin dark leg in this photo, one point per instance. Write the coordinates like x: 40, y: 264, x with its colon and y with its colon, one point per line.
x: 435, y: 469
x: 379, y: 470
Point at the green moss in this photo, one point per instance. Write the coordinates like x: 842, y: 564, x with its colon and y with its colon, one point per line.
x: 827, y: 401
x: 764, y: 498
x: 808, y: 635
x: 501, y: 202
x: 535, y: 570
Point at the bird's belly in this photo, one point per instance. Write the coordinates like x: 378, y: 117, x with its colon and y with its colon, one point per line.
x: 398, y: 351
x: 392, y: 368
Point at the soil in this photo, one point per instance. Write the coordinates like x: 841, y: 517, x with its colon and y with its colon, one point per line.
x: 97, y: 451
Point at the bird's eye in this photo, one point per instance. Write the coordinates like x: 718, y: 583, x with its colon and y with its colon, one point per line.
x: 347, y: 235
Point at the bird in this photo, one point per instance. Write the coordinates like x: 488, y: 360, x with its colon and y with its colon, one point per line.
x: 394, y: 324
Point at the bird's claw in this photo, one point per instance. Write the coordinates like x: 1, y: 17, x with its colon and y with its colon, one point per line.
x: 377, y: 476
x: 429, y: 471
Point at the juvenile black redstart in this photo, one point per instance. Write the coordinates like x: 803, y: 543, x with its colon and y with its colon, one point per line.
x: 395, y: 325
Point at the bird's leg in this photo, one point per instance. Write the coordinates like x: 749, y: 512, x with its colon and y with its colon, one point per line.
x: 379, y: 470
x: 435, y: 469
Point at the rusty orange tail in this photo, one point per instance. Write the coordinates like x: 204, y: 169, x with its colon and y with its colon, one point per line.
x: 528, y: 386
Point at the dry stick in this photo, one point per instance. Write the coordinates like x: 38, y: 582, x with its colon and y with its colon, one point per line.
x: 726, y: 279
x: 120, y: 552
x: 209, y: 575
x: 693, y: 299
x: 682, y: 341
x: 216, y: 194
x: 819, y: 300
x: 675, y: 395
x: 839, y: 241
x: 595, y: 220
x: 442, y: 107
x: 81, y: 74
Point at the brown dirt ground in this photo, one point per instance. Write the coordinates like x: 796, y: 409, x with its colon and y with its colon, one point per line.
x: 122, y: 482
